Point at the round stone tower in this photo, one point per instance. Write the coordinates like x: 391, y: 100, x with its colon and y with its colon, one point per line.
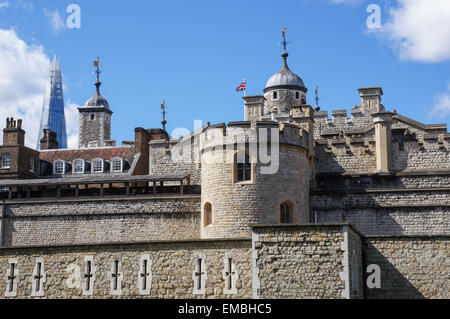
x: 245, y: 183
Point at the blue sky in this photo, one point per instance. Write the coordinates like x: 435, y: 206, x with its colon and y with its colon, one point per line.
x: 193, y: 54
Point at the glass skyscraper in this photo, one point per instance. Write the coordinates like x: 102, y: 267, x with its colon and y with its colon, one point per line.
x: 53, y: 109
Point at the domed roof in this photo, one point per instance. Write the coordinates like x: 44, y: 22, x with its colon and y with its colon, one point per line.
x: 97, y: 100
x: 285, y: 79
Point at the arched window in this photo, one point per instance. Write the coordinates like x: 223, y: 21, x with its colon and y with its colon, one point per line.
x: 286, y: 213
x: 117, y: 165
x: 243, y: 168
x: 207, y: 215
x: 78, y: 166
x: 97, y: 165
x: 58, y: 167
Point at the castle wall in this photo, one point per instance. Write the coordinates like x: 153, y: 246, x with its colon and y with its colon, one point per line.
x: 171, y: 267
x: 411, y: 267
x: 307, y: 261
x: 100, y: 220
x: 175, y: 158
x: 385, y: 205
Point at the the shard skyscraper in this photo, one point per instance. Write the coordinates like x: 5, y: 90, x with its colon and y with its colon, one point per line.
x: 53, y: 109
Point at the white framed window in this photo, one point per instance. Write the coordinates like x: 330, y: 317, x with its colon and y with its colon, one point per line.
x: 58, y: 167
x: 78, y: 166
x: 6, y: 160
x: 97, y: 165
x: 117, y: 165
x: 32, y: 168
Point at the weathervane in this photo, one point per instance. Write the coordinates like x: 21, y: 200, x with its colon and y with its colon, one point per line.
x: 164, y: 122
x: 317, y: 99
x: 284, y: 43
x: 97, y: 65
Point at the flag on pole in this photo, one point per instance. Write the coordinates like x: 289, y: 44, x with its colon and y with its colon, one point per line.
x: 242, y: 86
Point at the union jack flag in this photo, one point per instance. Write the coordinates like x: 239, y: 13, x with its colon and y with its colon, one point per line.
x: 242, y: 86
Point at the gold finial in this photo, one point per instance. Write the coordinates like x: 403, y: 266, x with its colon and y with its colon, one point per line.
x: 163, y: 105
x: 97, y: 62
x: 284, y: 33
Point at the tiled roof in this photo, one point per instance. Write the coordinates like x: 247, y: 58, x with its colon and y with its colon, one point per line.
x: 107, y: 153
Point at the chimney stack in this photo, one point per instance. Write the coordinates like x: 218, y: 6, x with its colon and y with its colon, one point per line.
x: 48, y: 141
x: 13, y: 133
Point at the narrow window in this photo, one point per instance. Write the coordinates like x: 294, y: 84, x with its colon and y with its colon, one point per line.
x: 285, y: 213
x: 58, y: 168
x: 92, y: 117
x: 401, y: 145
x: 38, y: 279
x: 275, y: 95
x: 12, y: 277
x: 6, y: 160
x: 355, y: 282
x: 89, y: 276
x: 32, y: 165
x: 199, y: 275
x: 145, y: 275
x: 116, y: 277
x: 207, y: 213
x: 244, y: 170
x: 297, y: 95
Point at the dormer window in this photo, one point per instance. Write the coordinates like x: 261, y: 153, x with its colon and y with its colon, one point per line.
x: 117, y: 165
x: 98, y: 165
x: 58, y: 167
x: 78, y: 166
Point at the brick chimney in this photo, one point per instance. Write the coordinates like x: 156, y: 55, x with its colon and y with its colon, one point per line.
x: 48, y: 141
x: 13, y: 133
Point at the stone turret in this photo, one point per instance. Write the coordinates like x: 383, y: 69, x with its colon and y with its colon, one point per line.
x: 253, y: 173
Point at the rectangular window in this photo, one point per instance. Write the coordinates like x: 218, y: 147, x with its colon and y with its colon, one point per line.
x: 116, y: 165
x: 244, y: 170
x: 78, y: 167
x: 32, y: 165
x: 6, y: 160
x: 59, y: 167
x: 97, y: 166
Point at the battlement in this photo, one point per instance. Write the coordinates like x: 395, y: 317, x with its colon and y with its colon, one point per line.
x: 253, y: 132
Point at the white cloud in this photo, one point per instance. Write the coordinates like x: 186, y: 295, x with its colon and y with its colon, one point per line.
x: 24, y: 76
x: 420, y: 30
x: 4, y: 5
x: 442, y: 106
x: 56, y: 21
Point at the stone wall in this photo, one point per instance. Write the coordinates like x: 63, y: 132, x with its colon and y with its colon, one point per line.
x: 411, y: 267
x: 307, y: 261
x: 385, y: 205
x: 171, y: 268
x: 101, y: 220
